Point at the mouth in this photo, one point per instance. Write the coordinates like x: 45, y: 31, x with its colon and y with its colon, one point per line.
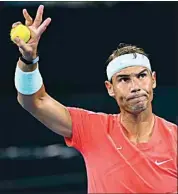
x: 137, y: 97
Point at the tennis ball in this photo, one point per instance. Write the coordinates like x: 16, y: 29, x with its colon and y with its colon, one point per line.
x: 21, y: 31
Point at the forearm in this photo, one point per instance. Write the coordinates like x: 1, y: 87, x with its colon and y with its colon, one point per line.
x: 31, y: 102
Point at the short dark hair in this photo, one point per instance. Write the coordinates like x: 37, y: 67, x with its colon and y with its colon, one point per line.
x: 125, y: 49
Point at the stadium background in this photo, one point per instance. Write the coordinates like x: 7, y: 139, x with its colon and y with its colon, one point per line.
x: 73, y: 54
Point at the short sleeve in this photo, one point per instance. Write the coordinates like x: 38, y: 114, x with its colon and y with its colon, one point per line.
x: 85, y: 126
x: 175, y: 133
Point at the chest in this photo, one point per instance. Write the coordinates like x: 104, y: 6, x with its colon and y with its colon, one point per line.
x: 117, y: 151
x: 124, y: 167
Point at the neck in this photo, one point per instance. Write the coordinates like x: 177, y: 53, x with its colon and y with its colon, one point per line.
x: 138, y: 125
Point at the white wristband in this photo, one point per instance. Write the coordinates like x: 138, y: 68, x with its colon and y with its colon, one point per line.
x: 28, y: 83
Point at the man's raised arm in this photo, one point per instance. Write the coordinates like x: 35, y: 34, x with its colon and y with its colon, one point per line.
x: 28, y: 81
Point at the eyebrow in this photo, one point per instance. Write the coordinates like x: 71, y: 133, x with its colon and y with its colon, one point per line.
x: 127, y: 75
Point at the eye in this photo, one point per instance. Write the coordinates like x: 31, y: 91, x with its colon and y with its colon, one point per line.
x: 142, y: 75
x: 124, y: 79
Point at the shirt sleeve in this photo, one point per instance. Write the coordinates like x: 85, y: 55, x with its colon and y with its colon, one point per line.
x: 85, y: 126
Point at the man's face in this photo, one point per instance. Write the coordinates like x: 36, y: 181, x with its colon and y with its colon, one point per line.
x: 132, y: 88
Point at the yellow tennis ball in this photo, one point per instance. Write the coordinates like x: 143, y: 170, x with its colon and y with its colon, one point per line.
x: 20, y: 31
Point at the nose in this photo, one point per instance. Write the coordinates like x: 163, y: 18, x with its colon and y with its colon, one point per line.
x: 134, y: 90
x: 134, y: 86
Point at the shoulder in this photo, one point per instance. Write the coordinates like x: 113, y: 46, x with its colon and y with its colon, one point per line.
x: 166, y: 123
x: 92, y: 120
x: 91, y: 114
x: 167, y: 126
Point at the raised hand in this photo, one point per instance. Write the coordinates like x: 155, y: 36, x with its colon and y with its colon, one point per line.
x: 36, y: 27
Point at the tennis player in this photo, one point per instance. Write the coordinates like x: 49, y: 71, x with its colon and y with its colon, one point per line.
x: 134, y: 151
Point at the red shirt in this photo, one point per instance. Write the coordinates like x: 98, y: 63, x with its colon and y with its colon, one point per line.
x: 114, y: 164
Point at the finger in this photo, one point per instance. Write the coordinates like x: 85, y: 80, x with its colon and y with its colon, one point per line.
x: 16, y: 24
x: 20, y: 43
x: 28, y: 18
x: 39, y: 16
x: 43, y: 26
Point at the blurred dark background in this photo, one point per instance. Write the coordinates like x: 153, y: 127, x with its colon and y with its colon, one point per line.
x: 73, y: 53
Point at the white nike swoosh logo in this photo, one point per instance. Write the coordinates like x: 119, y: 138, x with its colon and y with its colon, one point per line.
x: 119, y: 148
x: 162, y: 162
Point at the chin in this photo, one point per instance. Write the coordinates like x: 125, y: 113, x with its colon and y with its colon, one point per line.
x: 137, y: 109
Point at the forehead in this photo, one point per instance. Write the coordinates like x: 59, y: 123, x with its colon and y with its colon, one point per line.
x: 131, y: 70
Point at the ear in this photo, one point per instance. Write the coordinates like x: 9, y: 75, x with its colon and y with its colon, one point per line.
x: 154, y: 79
x: 109, y: 88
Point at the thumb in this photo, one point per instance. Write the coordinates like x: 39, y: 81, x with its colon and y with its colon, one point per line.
x: 20, y: 43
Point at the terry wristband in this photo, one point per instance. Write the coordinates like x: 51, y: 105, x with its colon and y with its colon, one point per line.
x: 28, y: 83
